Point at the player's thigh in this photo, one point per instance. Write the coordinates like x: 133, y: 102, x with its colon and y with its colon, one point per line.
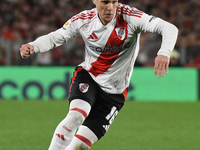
x: 102, y: 115
x: 83, y: 87
x: 80, y: 106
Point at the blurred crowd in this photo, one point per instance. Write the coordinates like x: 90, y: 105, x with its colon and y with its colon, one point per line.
x: 22, y: 21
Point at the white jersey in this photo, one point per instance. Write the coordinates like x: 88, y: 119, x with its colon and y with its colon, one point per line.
x: 110, y: 50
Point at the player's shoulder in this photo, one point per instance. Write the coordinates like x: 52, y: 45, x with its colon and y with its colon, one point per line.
x: 84, y: 16
x: 129, y: 11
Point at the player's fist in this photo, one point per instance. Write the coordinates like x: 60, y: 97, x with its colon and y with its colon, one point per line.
x: 26, y: 50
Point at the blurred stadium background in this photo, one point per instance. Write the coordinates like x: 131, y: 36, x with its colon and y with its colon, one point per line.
x: 33, y: 91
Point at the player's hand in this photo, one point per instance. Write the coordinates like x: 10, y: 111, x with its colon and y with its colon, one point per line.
x: 26, y: 50
x: 161, y: 65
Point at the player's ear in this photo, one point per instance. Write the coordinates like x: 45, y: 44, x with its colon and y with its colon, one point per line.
x: 94, y: 1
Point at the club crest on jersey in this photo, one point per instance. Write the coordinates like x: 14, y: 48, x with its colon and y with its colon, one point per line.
x: 83, y: 87
x: 121, y: 32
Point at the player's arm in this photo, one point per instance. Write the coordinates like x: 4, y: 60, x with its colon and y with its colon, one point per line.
x: 49, y: 41
x: 42, y: 44
x: 169, y: 34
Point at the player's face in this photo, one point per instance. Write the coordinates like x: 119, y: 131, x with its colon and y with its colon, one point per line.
x: 106, y: 9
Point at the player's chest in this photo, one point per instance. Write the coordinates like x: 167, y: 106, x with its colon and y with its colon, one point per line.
x: 108, y: 38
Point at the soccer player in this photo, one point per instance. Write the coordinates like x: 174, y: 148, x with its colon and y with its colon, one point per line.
x: 98, y: 90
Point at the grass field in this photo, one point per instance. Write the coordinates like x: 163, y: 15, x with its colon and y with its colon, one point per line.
x: 29, y: 125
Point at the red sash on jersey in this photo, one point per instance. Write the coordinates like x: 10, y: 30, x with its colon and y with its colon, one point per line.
x: 114, y: 46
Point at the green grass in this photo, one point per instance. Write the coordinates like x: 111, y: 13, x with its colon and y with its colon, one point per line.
x: 29, y: 125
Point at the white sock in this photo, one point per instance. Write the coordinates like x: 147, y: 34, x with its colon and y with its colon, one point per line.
x: 66, y: 129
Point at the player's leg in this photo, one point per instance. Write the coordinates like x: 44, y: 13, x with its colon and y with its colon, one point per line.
x: 65, y: 131
x: 98, y: 121
x: 83, y: 139
x: 82, y: 96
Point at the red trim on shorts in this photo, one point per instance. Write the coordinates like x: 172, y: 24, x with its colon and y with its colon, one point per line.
x: 74, y: 77
x: 83, y: 139
x: 81, y: 111
x: 125, y: 93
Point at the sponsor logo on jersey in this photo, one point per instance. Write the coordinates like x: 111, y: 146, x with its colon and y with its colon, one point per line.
x: 106, y: 49
x: 121, y: 32
x: 83, y: 87
x: 67, y: 24
x: 109, y: 49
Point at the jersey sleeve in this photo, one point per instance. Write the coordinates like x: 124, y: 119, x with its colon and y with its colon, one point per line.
x: 56, y: 38
x: 149, y: 23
